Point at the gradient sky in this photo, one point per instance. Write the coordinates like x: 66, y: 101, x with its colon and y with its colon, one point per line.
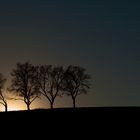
x: 102, y: 36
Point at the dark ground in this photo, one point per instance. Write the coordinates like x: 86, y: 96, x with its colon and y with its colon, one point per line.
x: 85, y: 114
x: 85, y: 122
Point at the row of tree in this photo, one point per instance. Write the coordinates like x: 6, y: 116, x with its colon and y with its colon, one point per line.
x: 29, y: 82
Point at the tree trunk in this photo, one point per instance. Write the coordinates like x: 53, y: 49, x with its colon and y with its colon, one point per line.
x: 74, y: 102
x: 6, y: 108
x: 51, y: 105
x: 28, y: 106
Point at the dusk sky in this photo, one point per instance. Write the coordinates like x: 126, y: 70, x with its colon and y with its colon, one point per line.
x: 100, y: 35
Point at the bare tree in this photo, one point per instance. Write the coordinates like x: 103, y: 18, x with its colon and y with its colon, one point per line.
x: 2, y: 94
x: 23, y: 83
x: 49, y: 80
x: 76, y: 82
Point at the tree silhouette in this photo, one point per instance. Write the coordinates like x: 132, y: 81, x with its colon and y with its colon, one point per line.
x: 49, y: 80
x: 23, y: 83
x: 2, y: 96
x: 76, y: 82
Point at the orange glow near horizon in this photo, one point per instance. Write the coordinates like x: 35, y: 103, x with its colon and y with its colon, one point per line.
x: 14, y: 106
x: 20, y: 105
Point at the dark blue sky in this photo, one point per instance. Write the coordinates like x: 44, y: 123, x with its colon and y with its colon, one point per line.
x: 102, y: 36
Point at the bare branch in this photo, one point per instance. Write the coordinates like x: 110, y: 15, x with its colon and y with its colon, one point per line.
x: 76, y: 82
x: 2, y: 103
x: 49, y: 80
x: 23, y: 82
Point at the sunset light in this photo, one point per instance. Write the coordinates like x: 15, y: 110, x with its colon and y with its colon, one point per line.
x: 57, y: 54
x: 15, y: 106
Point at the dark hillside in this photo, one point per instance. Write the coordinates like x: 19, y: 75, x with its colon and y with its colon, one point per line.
x: 74, y: 120
x: 91, y: 113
